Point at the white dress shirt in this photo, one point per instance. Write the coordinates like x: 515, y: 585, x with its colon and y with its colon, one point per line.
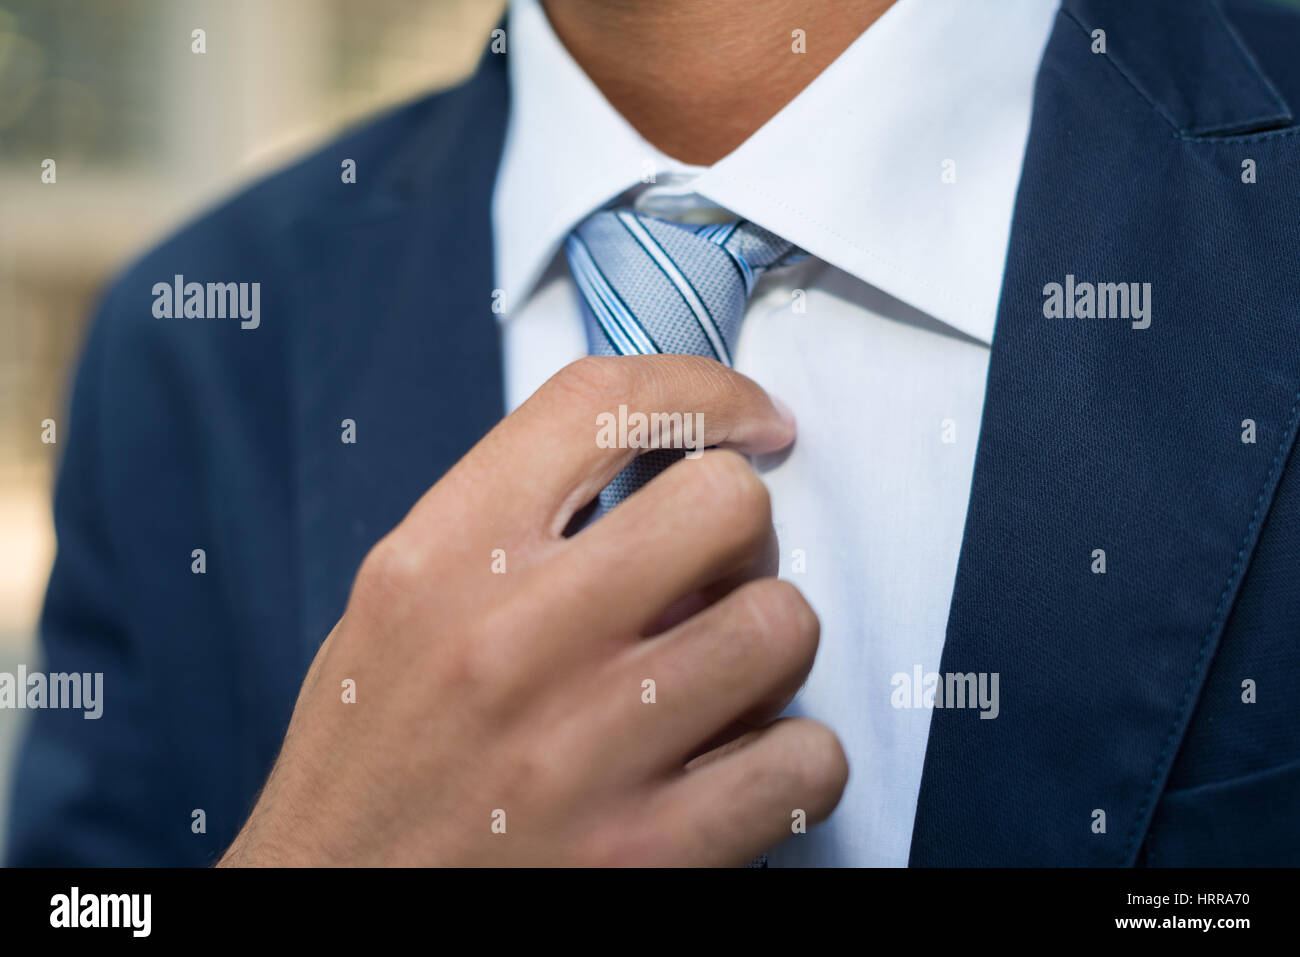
x: 896, y: 169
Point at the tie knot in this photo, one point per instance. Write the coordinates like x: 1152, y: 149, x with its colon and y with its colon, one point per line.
x: 651, y: 285
x: 754, y: 248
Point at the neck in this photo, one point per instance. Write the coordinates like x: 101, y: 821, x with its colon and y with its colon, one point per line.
x: 697, y: 77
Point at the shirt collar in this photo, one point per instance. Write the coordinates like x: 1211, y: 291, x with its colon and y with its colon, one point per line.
x: 852, y: 169
x: 567, y: 152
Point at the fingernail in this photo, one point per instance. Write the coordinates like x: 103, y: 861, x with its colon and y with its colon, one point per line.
x: 786, y: 413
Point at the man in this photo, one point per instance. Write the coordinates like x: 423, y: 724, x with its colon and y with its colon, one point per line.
x: 1053, y: 564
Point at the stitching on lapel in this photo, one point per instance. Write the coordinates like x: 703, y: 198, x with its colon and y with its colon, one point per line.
x: 1209, y: 642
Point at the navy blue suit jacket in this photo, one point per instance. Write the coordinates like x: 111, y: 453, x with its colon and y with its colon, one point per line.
x: 1120, y: 692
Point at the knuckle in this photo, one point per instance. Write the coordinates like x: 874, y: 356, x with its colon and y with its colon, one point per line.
x: 780, y: 611
x: 388, y: 569
x: 731, y: 484
x: 731, y: 388
x: 534, y: 775
x: 482, y: 668
x: 699, y: 374
x: 486, y: 691
x: 819, y: 766
x: 629, y: 841
x: 594, y: 379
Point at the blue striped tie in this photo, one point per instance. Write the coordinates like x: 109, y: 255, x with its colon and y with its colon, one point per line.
x: 649, y: 285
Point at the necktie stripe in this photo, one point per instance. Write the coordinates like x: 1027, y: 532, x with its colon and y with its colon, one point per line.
x: 678, y: 279
x: 746, y: 273
x: 613, y: 331
x: 614, y: 307
x: 718, y: 236
x: 723, y: 233
x: 742, y: 269
x: 627, y: 334
x: 619, y: 310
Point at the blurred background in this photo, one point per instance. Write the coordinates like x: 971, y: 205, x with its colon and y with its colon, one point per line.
x: 145, y: 133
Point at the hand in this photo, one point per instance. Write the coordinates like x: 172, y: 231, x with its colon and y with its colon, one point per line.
x: 499, y: 718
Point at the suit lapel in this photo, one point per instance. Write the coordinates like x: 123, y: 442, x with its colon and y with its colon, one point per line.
x: 396, y: 334
x: 1101, y: 437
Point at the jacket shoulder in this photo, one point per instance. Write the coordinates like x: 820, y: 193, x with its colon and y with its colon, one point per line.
x: 313, y: 185
x: 250, y: 239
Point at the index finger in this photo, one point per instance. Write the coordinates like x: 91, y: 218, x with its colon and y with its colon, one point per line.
x: 560, y: 437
